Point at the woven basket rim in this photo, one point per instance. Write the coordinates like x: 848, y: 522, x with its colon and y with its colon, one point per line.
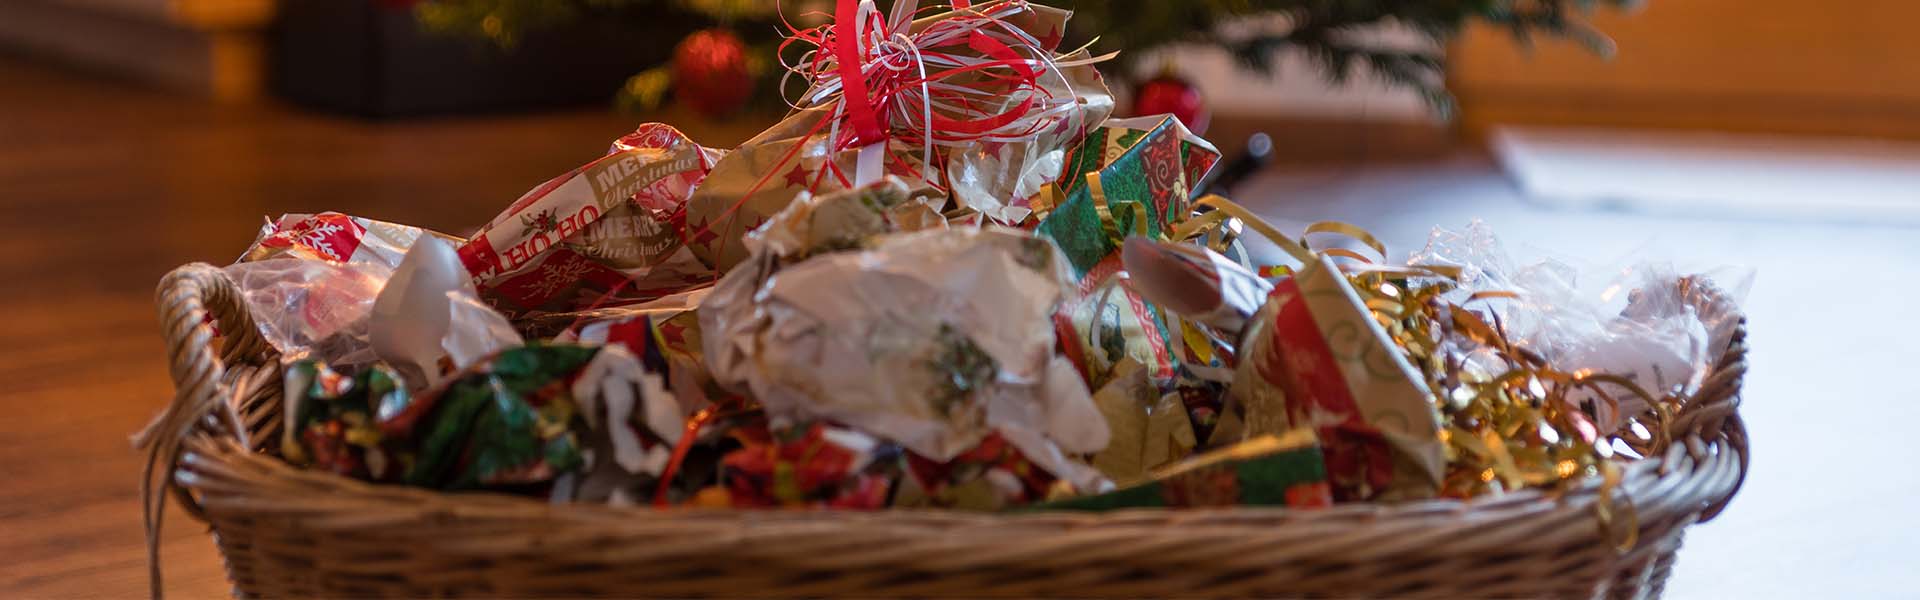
x: 194, y: 450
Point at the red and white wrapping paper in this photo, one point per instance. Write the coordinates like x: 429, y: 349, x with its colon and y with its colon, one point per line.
x: 608, y: 233
x: 1315, y: 357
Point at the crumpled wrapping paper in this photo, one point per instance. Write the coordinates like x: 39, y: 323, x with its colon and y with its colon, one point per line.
x: 428, y: 312
x: 609, y: 233
x: 844, y: 220
x: 932, y: 340
x: 1149, y: 429
x: 763, y: 175
x: 1268, y: 470
x: 1143, y: 170
x: 568, y: 421
x: 337, y: 237
x: 1149, y: 162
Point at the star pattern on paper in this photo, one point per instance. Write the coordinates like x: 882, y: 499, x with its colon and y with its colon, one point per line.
x: 705, y: 234
x: 674, y: 334
x: 798, y: 176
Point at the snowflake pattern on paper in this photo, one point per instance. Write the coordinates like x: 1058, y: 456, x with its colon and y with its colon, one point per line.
x: 559, y: 275
x: 316, y: 238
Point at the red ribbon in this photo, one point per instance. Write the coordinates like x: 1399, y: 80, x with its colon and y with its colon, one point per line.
x: 861, y: 112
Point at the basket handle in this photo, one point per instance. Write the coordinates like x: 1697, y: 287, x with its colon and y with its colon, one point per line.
x: 186, y: 297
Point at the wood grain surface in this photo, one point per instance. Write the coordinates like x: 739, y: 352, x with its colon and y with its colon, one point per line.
x: 1745, y: 65
x: 103, y: 188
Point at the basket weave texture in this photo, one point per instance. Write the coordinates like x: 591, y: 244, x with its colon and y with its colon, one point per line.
x: 287, y: 532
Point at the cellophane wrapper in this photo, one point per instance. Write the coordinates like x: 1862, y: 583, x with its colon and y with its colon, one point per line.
x: 1641, y: 320
x: 318, y: 309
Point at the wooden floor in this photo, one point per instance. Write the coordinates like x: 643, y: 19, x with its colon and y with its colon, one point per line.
x: 103, y: 188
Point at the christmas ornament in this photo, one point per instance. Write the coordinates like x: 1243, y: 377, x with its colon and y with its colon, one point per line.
x: 710, y: 72
x: 1169, y: 93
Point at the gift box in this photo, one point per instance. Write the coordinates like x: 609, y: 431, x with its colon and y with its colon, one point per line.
x: 1148, y: 162
x: 1130, y: 176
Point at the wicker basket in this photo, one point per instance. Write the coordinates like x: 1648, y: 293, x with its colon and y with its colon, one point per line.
x: 289, y: 532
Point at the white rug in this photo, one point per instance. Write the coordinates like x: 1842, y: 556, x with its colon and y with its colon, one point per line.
x: 1728, y: 175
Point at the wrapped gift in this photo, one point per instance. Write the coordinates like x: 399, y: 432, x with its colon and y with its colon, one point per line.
x: 336, y: 237
x: 982, y: 92
x: 1149, y: 162
x: 1315, y: 356
x: 1131, y: 176
x: 606, y: 234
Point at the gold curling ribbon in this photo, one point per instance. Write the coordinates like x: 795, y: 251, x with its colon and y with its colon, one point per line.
x: 1610, y: 497
x: 1345, y: 253
x: 1494, y: 428
x: 1351, y: 231
x: 1223, y: 208
x: 1044, y: 203
x: 1105, y: 211
x: 1617, y: 515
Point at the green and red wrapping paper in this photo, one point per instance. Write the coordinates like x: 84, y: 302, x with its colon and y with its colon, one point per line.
x: 1150, y: 162
x: 508, y: 423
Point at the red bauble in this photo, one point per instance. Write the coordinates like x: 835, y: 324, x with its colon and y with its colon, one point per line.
x: 1170, y: 94
x: 710, y: 72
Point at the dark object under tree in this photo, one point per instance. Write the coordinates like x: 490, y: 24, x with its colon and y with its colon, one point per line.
x: 373, y: 59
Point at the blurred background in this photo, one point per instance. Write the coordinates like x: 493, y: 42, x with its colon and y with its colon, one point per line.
x: 138, y: 135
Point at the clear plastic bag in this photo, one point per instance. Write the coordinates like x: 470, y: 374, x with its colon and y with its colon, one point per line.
x: 311, y: 308
x: 1646, y: 321
x: 325, y: 310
